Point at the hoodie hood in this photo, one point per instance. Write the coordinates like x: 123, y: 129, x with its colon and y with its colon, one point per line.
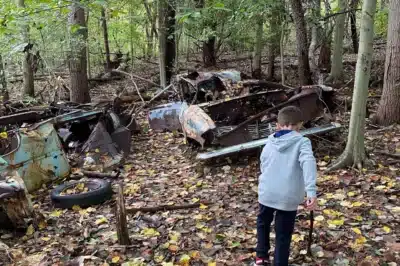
x: 285, y: 141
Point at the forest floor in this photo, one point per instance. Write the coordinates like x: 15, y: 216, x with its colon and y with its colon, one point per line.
x: 358, y: 218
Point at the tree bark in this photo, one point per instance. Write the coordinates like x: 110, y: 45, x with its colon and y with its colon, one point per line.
x: 353, y: 25
x: 209, y: 53
x: 302, y: 46
x: 389, y: 106
x: 316, y: 15
x: 29, y: 88
x: 354, y: 152
x: 105, y: 36
x: 337, y: 55
x: 3, y: 80
x: 258, y: 49
x: 77, y: 58
x: 166, y: 40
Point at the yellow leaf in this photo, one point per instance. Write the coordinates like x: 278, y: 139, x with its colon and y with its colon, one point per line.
x: 297, y: 238
x: 167, y: 264
x: 387, y: 229
x: 3, y: 135
x: 345, y: 203
x: 195, y: 255
x: 361, y: 240
x: 358, y: 218
x: 356, y: 230
x: 56, y: 213
x: 321, y: 202
x: 184, y: 260
x: 115, y: 259
x: 97, y: 150
x: 30, y: 230
x: 357, y: 204
x: 194, y: 200
x: 206, y: 229
x: 45, y: 239
x: 200, y: 225
x: 376, y: 212
x: 150, y: 232
x: 174, y: 237
x: 159, y: 258
x: 381, y: 187
x: 202, y: 206
x: 102, y: 220
x: 351, y: 194
x: 335, y: 222
x: 42, y: 225
x: 326, y: 158
x: 319, y: 218
x: 76, y: 208
x: 212, y: 263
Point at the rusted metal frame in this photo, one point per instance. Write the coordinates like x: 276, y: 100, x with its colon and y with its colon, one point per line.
x: 261, y: 114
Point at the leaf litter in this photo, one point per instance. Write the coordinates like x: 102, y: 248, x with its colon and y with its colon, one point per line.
x: 357, y: 220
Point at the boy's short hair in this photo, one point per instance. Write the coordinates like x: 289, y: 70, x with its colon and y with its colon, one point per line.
x: 290, y: 116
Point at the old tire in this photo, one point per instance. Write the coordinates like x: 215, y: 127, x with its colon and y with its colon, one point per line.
x: 100, y: 191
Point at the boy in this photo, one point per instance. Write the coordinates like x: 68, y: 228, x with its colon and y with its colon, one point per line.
x: 288, y: 170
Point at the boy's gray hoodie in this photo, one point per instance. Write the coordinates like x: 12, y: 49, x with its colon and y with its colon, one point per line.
x: 288, y: 171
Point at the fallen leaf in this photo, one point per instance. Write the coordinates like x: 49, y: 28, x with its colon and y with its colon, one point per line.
x: 30, y: 230
x: 387, y: 229
x: 202, y: 206
x: 212, y: 263
x: 45, y: 239
x: 56, y: 213
x: 115, y: 259
x: 356, y: 230
x: 101, y: 220
x: 319, y: 218
x: 184, y: 260
x: 150, y: 232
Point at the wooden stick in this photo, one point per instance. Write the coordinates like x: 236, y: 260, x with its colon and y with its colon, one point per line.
x: 133, y: 81
x: 391, y: 155
x: 120, y: 214
x: 166, y: 207
x: 135, y: 76
x: 100, y: 175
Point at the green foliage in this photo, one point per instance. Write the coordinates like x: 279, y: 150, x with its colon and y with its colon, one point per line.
x: 381, y: 23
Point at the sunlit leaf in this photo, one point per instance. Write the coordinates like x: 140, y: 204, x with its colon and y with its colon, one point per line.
x: 101, y: 220
x: 356, y: 230
x: 30, y: 230
x: 150, y: 232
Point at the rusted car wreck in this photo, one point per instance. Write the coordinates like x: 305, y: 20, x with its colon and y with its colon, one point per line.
x: 236, y: 122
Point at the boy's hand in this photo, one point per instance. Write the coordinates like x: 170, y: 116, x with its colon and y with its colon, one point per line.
x: 311, y: 204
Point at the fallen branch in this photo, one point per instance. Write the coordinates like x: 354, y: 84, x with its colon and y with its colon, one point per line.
x: 391, y: 155
x: 155, y: 97
x: 133, y: 81
x: 100, y: 175
x: 135, y: 76
x: 166, y: 207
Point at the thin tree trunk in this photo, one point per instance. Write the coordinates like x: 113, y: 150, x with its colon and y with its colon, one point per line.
x: 258, y: 49
x: 131, y: 29
x: 89, y: 69
x: 353, y: 25
x: 337, y: 55
x: 301, y: 39
x: 316, y: 15
x: 77, y: 58
x: 354, y: 152
x: 383, y: 4
x: 282, y: 46
x: 209, y: 53
x: 162, y: 38
x: 271, y: 61
x: 3, y: 80
x: 389, y: 106
x: 29, y: 88
x: 171, y: 40
x: 105, y: 36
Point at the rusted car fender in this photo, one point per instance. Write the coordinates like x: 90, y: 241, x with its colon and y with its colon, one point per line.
x: 37, y: 155
x: 196, y: 123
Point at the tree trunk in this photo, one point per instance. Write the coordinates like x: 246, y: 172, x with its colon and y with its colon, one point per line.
x: 353, y: 25
x: 383, y: 4
x: 170, y: 42
x: 354, y: 152
x: 316, y: 15
x: 301, y: 39
x: 162, y: 38
x: 79, y: 91
x: 389, y: 106
x: 271, y: 61
x: 131, y: 30
x: 27, y: 62
x: 167, y: 40
x: 209, y: 53
x: 89, y: 69
x: 258, y: 49
x: 105, y: 35
x: 3, y: 80
x: 337, y: 55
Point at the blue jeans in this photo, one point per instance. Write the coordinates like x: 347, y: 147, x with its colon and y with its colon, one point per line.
x: 284, y: 226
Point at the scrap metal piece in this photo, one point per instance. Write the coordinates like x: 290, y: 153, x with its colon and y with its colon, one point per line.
x: 166, y: 116
x: 100, y: 140
x: 261, y: 142
x: 26, y: 117
x: 37, y: 155
x: 77, y: 115
x: 196, y: 123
